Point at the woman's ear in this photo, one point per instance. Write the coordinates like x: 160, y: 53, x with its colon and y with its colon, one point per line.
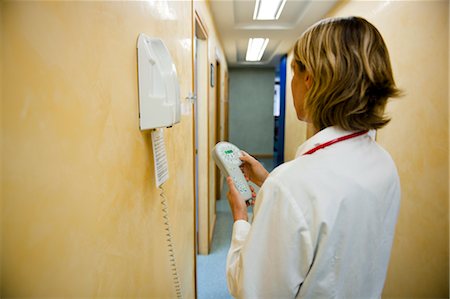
x: 308, y: 80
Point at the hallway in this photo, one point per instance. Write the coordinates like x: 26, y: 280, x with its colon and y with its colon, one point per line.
x: 83, y: 211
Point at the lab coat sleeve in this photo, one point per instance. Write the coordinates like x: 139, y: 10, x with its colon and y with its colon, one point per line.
x: 271, y: 257
x: 240, y: 232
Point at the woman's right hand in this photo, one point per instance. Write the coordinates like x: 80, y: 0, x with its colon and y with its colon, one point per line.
x: 252, y: 169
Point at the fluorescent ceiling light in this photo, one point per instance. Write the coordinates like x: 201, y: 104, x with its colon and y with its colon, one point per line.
x: 255, y: 49
x: 268, y: 9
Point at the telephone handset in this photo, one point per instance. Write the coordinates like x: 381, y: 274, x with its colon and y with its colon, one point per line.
x: 226, y: 155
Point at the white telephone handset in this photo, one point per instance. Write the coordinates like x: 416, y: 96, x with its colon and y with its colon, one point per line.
x: 226, y: 156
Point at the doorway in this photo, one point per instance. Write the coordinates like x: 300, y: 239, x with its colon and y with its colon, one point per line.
x: 201, y: 136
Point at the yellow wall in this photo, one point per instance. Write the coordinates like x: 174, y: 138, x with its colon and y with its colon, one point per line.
x: 1, y: 138
x: 81, y: 214
x: 417, y: 36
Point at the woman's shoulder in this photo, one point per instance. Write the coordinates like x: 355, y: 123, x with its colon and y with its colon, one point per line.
x: 295, y: 177
x: 297, y: 167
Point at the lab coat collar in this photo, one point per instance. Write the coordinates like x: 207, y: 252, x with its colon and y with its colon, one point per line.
x: 320, y: 137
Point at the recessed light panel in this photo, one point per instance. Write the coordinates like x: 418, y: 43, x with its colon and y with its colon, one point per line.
x: 268, y: 9
x: 256, y: 48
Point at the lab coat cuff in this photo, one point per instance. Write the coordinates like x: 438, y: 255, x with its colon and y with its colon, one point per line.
x: 240, y: 230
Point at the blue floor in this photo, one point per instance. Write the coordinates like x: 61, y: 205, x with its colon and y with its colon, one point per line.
x: 211, y: 276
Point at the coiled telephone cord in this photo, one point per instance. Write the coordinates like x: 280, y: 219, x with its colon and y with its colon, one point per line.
x: 170, y: 246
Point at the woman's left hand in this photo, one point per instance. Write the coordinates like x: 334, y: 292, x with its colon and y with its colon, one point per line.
x: 237, y: 203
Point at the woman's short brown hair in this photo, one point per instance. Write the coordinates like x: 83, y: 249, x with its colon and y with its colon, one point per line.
x: 351, y: 71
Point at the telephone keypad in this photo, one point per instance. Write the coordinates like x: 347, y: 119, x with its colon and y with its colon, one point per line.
x: 227, y: 156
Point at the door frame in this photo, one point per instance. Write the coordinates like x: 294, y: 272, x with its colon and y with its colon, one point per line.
x: 202, y: 204
x: 218, y: 126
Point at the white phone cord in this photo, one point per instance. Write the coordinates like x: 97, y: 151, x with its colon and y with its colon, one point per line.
x: 170, y: 246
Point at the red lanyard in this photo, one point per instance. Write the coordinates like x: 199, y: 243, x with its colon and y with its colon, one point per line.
x: 321, y: 146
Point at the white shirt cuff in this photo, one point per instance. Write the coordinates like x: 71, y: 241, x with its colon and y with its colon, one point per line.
x: 240, y: 230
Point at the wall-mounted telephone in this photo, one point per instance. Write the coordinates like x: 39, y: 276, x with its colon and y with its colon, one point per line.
x: 226, y: 155
x: 159, y: 91
x: 159, y: 107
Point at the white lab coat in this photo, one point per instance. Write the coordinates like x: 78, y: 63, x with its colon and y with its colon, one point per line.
x: 323, y: 225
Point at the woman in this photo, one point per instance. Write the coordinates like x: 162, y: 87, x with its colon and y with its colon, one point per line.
x: 324, y: 223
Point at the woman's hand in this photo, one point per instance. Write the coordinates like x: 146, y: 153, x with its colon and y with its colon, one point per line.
x: 237, y: 203
x: 253, y: 170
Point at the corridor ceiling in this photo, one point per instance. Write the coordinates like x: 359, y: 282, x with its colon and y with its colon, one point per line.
x: 235, y: 25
